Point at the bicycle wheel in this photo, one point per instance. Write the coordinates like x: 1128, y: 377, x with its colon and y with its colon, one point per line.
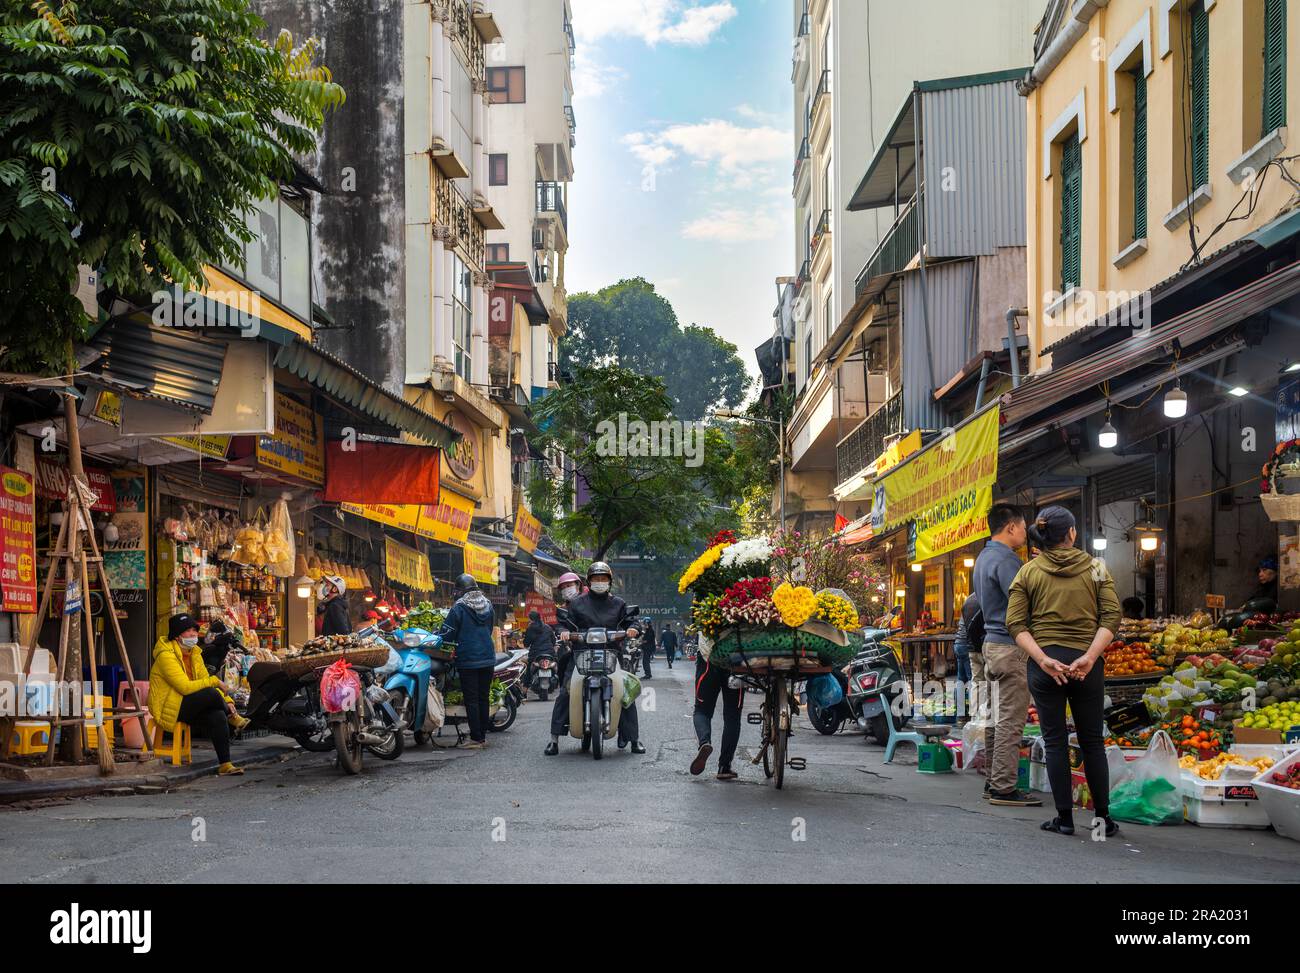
x: 782, y: 727
x: 769, y: 730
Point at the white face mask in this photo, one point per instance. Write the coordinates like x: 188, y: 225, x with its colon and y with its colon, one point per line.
x: 190, y: 641
x: 323, y: 592
x: 568, y: 594
x: 600, y: 587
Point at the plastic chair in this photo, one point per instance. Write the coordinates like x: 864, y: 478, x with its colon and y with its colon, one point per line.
x: 30, y: 737
x: 131, y: 734
x: 918, y: 733
x: 179, y: 752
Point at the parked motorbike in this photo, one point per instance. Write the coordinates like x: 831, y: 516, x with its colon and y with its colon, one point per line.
x: 424, y: 660
x: 877, y: 692
x: 596, y: 686
x: 510, y: 668
x: 370, y: 723
x: 289, y: 705
x: 543, y: 677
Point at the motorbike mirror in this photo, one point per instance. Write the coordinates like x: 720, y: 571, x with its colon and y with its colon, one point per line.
x: 633, y: 611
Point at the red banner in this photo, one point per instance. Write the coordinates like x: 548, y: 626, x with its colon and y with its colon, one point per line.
x: 17, y: 541
x: 52, y: 483
x: 374, y: 473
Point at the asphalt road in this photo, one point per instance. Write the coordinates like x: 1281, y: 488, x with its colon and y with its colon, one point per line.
x: 510, y: 814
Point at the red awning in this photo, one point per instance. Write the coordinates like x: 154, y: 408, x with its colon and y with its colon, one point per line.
x: 381, y: 473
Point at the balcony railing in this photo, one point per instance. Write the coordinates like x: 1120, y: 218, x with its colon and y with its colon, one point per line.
x: 901, y: 243
x: 803, y: 155
x: 805, y: 272
x: 573, y: 125
x: 823, y: 229
x: 823, y: 91
x: 553, y: 371
x: 805, y: 25
x: 550, y: 199
x: 859, y: 449
x: 541, y: 272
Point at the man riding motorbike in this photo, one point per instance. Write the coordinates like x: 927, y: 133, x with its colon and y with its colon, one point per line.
x: 597, y: 608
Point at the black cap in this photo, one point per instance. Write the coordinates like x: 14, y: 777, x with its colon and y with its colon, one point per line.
x: 180, y: 623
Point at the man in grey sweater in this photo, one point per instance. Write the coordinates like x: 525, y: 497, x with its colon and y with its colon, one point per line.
x: 1005, y: 664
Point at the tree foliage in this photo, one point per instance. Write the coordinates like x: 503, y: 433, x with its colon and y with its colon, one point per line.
x: 636, y: 497
x: 631, y: 325
x: 134, y: 135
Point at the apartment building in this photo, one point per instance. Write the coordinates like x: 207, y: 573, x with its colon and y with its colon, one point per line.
x: 1164, y: 282
x: 854, y: 64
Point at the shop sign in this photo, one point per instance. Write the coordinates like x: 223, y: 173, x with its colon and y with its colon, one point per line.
x: 17, y: 541
x: 125, y: 559
x: 108, y: 408
x: 528, y: 529
x: 52, y: 483
x: 481, y: 564
x: 463, y: 456
x: 542, y: 586
x: 1288, y: 411
x: 947, y: 489
x: 1216, y: 601
x: 407, y: 566
x: 210, y: 447
x: 895, y: 454
x: 448, y: 521
x: 298, y: 447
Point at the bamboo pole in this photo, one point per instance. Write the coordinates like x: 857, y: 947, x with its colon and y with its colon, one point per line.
x: 71, y: 743
x: 105, y: 748
x: 117, y: 633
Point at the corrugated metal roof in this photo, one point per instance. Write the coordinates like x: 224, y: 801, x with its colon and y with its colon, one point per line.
x: 974, y: 159
x: 950, y: 306
x: 168, y: 364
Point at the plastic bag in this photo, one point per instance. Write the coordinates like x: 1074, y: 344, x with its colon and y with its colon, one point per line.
x: 631, y: 689
x: 340, y: 688
x: 277, y: 542
x: 388, y: 668
x: 972, y: 743
x: 435, y: 711
x: 824, y: 691
x: 1151, y: 795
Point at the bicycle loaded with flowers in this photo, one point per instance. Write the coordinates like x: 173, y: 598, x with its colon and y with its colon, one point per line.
x: 752, y: 612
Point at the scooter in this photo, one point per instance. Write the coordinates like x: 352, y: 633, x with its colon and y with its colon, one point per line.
x: 289, y: 705
x: 509, y: 670
x: 596, y: 686
x: 544, y: 676
x: 877, y: 691
x: 423, y: 660
x: 369, y: 722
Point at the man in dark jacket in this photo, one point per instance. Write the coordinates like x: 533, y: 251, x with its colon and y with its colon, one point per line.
x: 647, y: 646
x: 469, y: 625
x: 332, y: 606
x: 538, y: 636
x: 597, y: 608
x: 669, y: 642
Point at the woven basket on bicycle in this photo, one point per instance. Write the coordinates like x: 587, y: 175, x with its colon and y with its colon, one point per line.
x: 812, y: 648
x: 368, y: 656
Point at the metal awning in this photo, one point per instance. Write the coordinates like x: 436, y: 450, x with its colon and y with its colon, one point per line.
x: 171, y: 365
x: 340, y: 380
x: 891, y: 176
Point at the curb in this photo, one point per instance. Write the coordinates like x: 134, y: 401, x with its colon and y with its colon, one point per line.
x: 18, y: 791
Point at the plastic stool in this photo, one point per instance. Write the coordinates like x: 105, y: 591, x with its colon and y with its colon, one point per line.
x: 126, y: 701
x: 92, y: 732
x: 179, y: 752
x: 29, y: 738
x: 918, y: 734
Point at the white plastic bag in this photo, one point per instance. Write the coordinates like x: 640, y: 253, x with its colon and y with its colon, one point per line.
x: 278, y: 542
x: 435, y: 711
x: 972, y: 742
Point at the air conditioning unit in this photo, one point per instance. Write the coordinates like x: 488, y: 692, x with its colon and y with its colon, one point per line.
x: 540, y: 236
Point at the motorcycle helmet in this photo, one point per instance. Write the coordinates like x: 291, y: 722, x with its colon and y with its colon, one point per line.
x: 466, y: 583
x: 596, y: 570
x: 328, y: 581
x: 571, y: 583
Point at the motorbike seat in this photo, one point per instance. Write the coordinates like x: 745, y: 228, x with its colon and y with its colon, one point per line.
x: 503, y: 657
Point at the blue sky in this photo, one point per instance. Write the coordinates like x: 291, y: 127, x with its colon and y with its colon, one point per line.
x: 684, y: 156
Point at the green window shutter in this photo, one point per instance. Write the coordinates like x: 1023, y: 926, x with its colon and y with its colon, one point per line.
x: 1200, y: 97
x: 1274, y: 64
x: 1139, y: 154
x: 1071, y: 212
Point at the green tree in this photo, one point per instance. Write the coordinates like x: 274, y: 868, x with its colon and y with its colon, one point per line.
x: 631, y: 325
x: 134, y: 134
x: 635, y: 500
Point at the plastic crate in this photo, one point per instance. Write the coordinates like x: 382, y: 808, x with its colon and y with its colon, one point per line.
x: 1282, y: 804
x: 1222, y: 804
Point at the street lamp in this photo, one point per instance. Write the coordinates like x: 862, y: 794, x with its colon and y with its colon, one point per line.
x: 780, y: 442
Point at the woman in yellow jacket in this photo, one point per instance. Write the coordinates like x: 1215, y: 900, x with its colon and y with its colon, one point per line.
x: 182, y: 691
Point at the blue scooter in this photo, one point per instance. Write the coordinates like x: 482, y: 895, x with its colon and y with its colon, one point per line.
x: 423, y: 659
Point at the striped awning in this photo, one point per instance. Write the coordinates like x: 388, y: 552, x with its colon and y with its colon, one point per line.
x: 171, y: 365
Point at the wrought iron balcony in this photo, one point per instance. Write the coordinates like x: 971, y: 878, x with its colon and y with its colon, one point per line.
x: 858, y: 450
x: 900, y: 244
x: 823, y: 91
x: 805, y: 25
x: 823, y: 229
x: 550, y: 199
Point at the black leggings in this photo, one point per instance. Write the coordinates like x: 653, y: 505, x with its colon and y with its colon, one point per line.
x: 709, y: 682
x: 476, y: 685
x: 1087, y: 699
x: 205, y: 713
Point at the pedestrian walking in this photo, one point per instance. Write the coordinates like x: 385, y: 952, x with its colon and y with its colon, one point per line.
x: 710, y: 682
x: 1063, y: 612
x: 647, y: 647
x: 1004, y: 662
x: 470, y: 625
x: 669, y: 640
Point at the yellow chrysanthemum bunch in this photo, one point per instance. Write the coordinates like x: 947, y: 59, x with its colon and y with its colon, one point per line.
x: 700, y: 565
x: 796, y: 605
x: 836, y: 611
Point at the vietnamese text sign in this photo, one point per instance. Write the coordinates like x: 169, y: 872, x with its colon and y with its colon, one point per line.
x: 447, y: 521
x: 946, y: 489
x: 528, y: 529
x: 17, y: 541
x: 481, y: 564
x: 298, y: 446
x: 407, y: 566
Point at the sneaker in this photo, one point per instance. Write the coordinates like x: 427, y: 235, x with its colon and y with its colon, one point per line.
x: 726, y: 773
x: 701, y: 758
x: 474, y: 745
x: 1013, y: 798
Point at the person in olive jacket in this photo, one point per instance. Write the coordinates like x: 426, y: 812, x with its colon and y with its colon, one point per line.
x: 469, y: 624
x: 1062, y: 611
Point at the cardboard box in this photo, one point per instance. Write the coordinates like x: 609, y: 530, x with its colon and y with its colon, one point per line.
x: 1250, y: 734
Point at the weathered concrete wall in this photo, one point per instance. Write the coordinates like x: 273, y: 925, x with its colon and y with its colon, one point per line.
x: 358, y: 229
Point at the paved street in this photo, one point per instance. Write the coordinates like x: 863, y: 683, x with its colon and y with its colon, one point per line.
x: 431, y: 817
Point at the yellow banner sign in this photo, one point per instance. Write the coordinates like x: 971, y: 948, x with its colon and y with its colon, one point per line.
x: 528, y: 529
x: 407, y: 566
x: 481, y: 564
x: 947, y: 489
x: 108, y: 407
x: 448, y: 521
x: 298, y: 446
x: 213, y: 447
x: 898, y: 452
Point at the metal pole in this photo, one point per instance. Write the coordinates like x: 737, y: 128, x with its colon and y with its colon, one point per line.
x: 780, y: 446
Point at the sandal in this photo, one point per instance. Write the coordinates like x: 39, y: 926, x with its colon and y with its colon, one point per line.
x: 1058, y: 826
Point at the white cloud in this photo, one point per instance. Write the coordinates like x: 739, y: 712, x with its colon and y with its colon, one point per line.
x: 591, y: 79
x: 648, y: 151
x: 755, y: 115
x: 740, y: 153
x: 731, y: 225
x: 654, y: 21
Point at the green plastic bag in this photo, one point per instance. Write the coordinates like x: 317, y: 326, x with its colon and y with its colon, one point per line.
x: 1154, y: 801
x: 631, y: 689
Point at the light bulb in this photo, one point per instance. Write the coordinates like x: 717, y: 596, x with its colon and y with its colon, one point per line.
x: 1175, y: 403
x: 1238, y: 391
x: 1149, y: 543
x: 1099, y: 543
x: 900, y: 593
x: 916, y: 567
x: 1108, y: 437
x: 968, y: 562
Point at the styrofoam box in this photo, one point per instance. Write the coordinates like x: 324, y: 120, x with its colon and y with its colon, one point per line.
x: 1222, y: 804
x: 1274, y: 751
x: 1281, y: 804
